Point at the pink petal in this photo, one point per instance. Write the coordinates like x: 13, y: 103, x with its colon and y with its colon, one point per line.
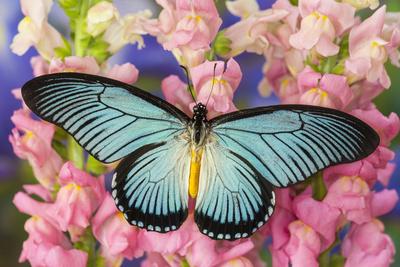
x: 326, y: 47
x: 384, y: 201
x: 126, y: 73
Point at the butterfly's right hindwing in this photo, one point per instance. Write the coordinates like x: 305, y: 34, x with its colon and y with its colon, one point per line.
x: 108, y: 118
x: 151, y: 186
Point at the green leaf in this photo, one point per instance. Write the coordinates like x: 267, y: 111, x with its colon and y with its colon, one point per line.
x: 75, y: 152
x: 94, y: 166
x: 294, y: 2
x: 318, y: 186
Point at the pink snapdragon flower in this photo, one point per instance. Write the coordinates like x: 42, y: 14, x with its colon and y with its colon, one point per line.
x: 322, y: 21
x: 304, y: 245
x: 126, y: 73
x: 223, y: 85
x: 176, y: 92
x: 34, y: 145
x: 367, y: 245
x: 323, y: 218
x: 39, y: 66
x: 46, y: 245
x: 352, y: 196
x: 387, y: 127
x: 74, y: 64
x: 391, y: 33
x: 219, y: 89
x: 118, y: 238
x: 367, y: 50
x: 374, y: 167
x: 251, y: 33
x: 79, y: 196
x: 185, y: 23
x: 328, y: 90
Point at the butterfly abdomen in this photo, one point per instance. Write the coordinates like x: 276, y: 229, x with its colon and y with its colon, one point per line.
x: 195, y: 165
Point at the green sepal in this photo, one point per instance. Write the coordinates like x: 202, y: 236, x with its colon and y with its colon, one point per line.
x: 63, y: 51
x: 294, y: 2
x: 98, y: 48
x: 327, y: 64
x: 94, y: 166
x: 222, y: 44
x: 318, y: 186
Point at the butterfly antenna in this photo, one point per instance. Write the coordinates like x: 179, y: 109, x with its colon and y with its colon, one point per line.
x: 191, y: 89
x: 212, y: 84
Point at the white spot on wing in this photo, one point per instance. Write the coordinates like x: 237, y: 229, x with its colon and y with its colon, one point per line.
x: 121, y: 208
x: 114, y: 193
x: 273, y: 198
x: 114, y: 180
x: 140, y: 224
x: 150, y: 227
x: 270, y: 210
x: 220, y: 236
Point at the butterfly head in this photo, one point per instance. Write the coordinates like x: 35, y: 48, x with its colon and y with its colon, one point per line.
x: 199, y: 112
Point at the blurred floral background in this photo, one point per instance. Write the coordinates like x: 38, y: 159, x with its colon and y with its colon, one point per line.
x: 154, y: 64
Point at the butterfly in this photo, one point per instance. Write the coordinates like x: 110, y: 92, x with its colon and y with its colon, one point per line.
x: 230, y: 164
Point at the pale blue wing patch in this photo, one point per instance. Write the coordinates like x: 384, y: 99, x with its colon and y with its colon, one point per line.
x: 108, y: 118
x: 233, y: 200
x: 287, y: 144
x: 151, y: 186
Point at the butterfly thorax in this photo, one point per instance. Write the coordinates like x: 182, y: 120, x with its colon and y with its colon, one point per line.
x: 199, y: 122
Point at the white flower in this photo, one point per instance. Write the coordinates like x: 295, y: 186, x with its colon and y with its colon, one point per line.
x: 100, y: 16
x: 129, y: 29
x: 34, y: 30
x: 242, y: 8
x: 360, y: 4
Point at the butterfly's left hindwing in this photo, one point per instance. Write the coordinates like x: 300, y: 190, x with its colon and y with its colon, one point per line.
x: 151, y: 186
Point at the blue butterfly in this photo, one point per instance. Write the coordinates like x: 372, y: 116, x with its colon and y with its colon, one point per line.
x: 230, y: 164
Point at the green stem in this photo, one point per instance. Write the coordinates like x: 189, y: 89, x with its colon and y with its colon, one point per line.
x: 80, y: 50
x: 75, y: 152
x: 324, y: 258
x: 185, y: 263
x: 318, y: 187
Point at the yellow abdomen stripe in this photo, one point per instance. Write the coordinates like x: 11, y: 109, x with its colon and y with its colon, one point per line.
x: 195, y: 164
